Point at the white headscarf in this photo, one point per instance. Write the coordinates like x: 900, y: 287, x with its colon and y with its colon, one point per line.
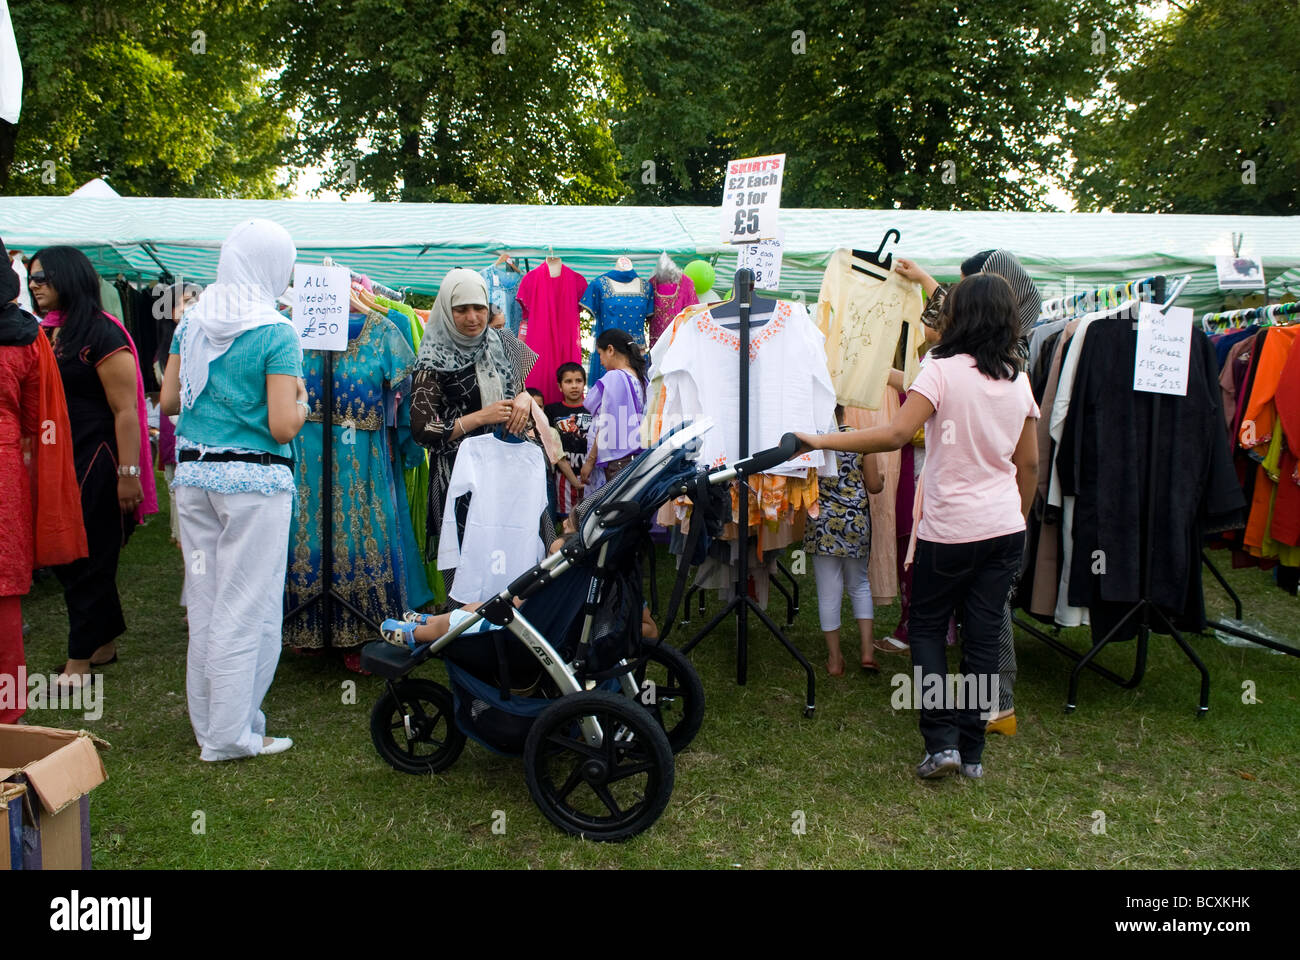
x: 256, y: 266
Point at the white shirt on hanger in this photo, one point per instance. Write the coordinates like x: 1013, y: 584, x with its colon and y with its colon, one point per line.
x: 790, y: 386
x: 507, y: 484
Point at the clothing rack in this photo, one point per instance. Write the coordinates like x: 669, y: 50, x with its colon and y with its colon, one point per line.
x: 1250, y: 315
x: 328, y: 594
x: 1145, y: 610
x: 742, y: 603
x: 1078, y: 303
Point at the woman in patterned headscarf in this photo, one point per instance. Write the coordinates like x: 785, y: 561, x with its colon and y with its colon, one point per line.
x: 1029, y: 301
x: 469, y: 379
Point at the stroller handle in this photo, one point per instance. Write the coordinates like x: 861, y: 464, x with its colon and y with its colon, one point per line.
x: 758, y: 462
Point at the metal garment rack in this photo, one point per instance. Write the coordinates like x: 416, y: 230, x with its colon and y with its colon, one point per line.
x: 741, y: 604
x: 1290, y: 310
x: 328, y: 594
x: 1145, y: 610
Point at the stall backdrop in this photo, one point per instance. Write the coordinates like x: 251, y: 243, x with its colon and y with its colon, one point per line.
x: 413, y: 245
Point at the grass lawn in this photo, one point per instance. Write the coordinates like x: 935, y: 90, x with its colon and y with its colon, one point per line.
x: 1175, y: 791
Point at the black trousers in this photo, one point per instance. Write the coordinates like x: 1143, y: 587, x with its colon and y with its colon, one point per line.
x: 90, y: 584
x: 977, y: 578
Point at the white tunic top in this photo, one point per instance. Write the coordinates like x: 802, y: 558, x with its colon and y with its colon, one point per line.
x: 507, y: 484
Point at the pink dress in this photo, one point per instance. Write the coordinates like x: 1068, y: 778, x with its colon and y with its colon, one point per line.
x: 551, y: 318
x: 670, y: 300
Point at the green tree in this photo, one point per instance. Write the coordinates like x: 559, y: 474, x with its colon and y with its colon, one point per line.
x: 454, y: 100
x: 157, y: 96
x: 869, y: 100
x: 1203, y: 115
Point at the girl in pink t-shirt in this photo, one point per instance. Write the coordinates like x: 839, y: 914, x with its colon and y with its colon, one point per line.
x: 981, y: 470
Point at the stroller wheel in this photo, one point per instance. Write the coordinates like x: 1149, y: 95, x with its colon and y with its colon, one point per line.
x: 676, y: 698
x: 415, y: 730
x: 608, y: 792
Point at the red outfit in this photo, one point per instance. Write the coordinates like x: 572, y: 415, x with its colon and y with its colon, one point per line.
x: 551, y: 324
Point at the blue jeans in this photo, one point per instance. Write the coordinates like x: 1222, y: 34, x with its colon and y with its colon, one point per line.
x: 975, y: 577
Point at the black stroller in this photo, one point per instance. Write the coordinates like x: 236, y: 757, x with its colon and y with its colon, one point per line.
x: 566, y: 679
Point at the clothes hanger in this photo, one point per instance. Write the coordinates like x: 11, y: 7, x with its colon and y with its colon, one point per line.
x: 501, y: 433
x: 761, y: 309
x: 874, y: 257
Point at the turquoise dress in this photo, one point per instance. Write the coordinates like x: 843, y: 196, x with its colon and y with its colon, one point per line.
x: 372, y: 568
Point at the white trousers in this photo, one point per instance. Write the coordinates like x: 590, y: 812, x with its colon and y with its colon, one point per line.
x: 236, y: 549
x: 834, y: 575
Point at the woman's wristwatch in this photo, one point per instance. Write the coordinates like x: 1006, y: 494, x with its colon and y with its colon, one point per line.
x: 306, y: 408
x: 125, y: 471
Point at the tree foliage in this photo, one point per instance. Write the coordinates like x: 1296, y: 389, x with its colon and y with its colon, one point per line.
x: 462, y: 100
x: 1198, y: 96
x: 869, y: 100
x: 130, y: 92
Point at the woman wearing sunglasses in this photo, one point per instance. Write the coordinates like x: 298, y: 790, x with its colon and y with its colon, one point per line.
x: 101, y: 380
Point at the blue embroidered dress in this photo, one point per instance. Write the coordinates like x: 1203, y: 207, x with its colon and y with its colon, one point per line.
x: 503, y: 284
x: 618, y: 300
x: 371, y: 566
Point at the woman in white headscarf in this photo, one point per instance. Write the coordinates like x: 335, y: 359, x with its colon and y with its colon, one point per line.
x: 469, y: 379
x: 234, y: 375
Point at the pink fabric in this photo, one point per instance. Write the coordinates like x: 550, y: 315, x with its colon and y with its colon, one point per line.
x: 148, y: 486
x: 551, y: 317
x: 670, y: 300
x: 969, y: 441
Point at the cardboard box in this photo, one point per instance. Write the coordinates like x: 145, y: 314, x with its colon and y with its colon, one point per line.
x: 46, y: 776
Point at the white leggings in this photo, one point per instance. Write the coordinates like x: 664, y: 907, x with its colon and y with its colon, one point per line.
x: 833, y: 574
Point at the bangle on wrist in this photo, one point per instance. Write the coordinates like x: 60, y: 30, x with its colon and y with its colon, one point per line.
x: 126, y: 470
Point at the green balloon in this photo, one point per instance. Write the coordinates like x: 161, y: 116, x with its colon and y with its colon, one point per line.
x: 701, y: 274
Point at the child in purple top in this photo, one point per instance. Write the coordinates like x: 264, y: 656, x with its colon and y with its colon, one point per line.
x: 617, y: 402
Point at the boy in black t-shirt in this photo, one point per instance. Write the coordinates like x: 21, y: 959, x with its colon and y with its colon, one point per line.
x: 572, y: 421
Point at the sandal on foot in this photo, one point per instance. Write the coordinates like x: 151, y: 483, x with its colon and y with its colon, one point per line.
x: 890, y: 645
x: 871, y: 667
x: 400, y: 633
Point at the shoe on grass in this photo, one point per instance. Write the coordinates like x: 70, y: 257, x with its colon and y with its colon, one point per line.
x: 972, y: 771
x: 939, y: 764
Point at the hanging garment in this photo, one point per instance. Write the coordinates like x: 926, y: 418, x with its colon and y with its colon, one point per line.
x: 618, y: 300
x: 550, y: 310
x: 1104, y: 461
x: 882, y: 570
x: 842, y: 527
x: 862, y: 317
x: 506, y: 487
x: 503, y: 285
x: 790, y: 388
x: 670, y: 300
x: 413, y: 488
x: 370, y: 559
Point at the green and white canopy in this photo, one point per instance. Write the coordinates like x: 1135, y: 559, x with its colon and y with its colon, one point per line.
x: 413, y: 245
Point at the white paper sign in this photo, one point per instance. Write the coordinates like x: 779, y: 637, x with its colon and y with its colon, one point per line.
x: 320, y: 306
x: 751, y: 198
x: 764, y: 258
x: 1164, y: 350
x: 1240, y: 273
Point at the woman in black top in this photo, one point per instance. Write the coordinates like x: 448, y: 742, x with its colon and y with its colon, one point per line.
x: 99, y: 374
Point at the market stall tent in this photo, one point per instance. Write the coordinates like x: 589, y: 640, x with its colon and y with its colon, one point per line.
x: 413, y: 245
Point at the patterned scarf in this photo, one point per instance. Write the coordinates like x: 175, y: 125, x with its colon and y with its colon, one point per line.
x: 500, y: 360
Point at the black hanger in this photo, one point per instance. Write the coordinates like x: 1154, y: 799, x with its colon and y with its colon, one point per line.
x: 874, y: 257
x: 761, y: 309
x: 501, y: 433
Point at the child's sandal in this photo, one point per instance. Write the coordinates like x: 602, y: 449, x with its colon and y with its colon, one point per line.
x: 399, y: 633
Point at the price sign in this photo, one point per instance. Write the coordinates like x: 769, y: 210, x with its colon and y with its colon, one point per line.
x: 751, y: 198
x: 1164, y: 350
x: 764, y: 258
x: 320, y: 306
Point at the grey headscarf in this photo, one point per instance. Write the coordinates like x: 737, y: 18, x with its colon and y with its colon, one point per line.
x: 445, y: 348
x: 1029, y: 301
